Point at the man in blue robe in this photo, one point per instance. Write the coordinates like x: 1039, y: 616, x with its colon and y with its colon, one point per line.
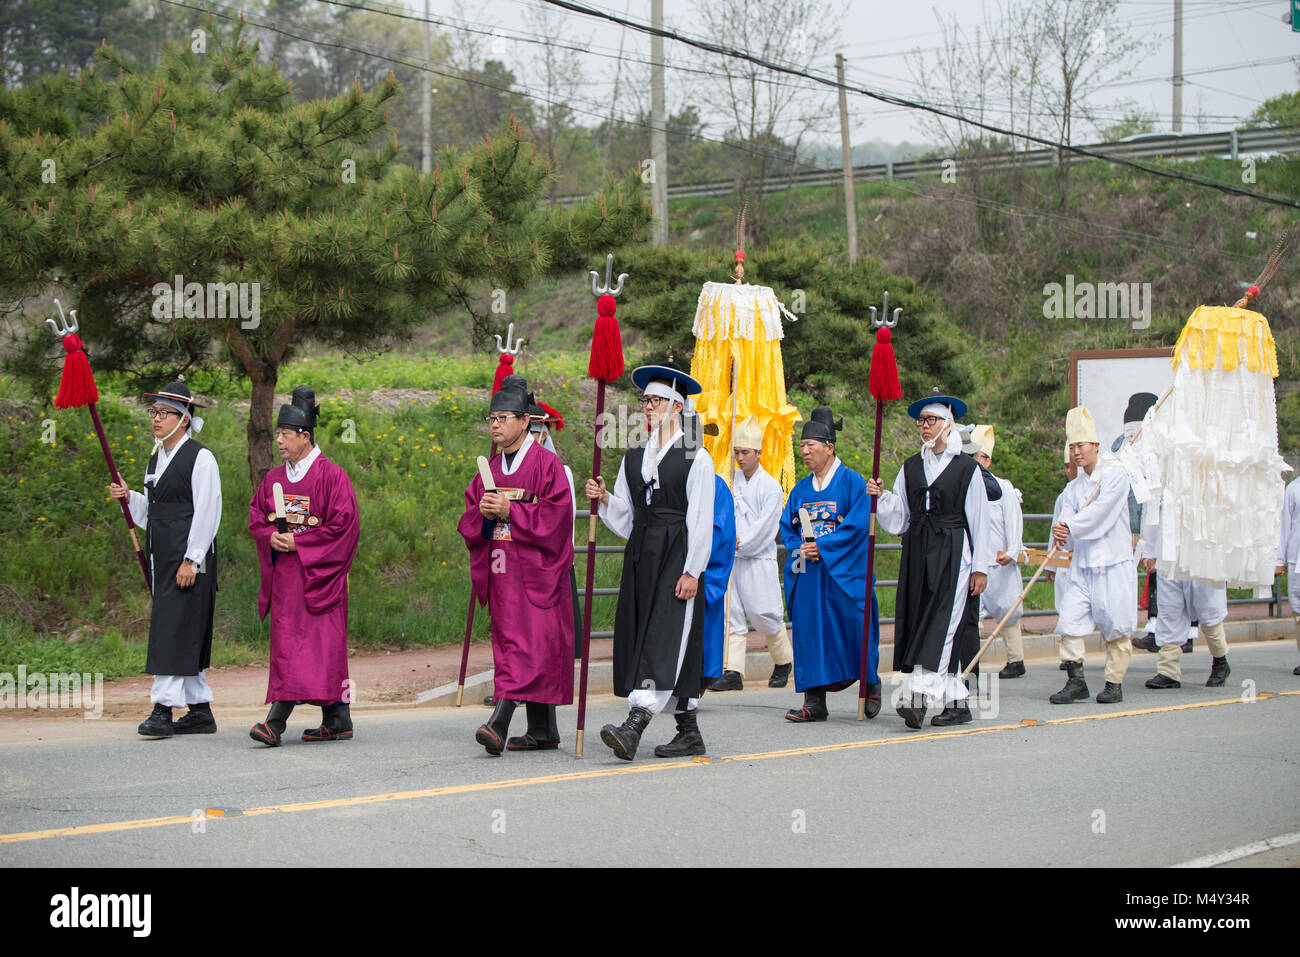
x: 825, y: 575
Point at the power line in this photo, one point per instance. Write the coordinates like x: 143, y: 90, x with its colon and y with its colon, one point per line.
x: 710, y: 47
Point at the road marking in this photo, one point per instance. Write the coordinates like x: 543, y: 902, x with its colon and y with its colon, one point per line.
x: 1246, y: 850
x: 391, y: 796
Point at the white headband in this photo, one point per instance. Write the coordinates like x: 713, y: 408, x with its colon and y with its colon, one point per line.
x: 937, y: 408
x: 660, y: 388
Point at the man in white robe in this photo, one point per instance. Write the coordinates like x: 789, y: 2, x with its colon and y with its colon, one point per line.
x: 755, y: 592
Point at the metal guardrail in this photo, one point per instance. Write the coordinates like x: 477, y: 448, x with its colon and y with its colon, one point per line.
x: 1273, y: 601
x: 1230, y: 144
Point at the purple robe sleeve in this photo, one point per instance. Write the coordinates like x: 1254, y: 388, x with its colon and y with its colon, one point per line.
x: 258, y: 506
x: 471, y: 527
x: 326, y: 551
x: 544, y: 528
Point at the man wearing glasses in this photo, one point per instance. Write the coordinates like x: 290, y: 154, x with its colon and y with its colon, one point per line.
x: 939, y: 505
x: 662, y: 504
x: 520, y: 540
x: 180, y: 511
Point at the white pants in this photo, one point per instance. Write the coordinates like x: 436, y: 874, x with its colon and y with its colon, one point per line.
x: 755, y: 594
x: 1003, y: 589
x: 939, y: 686
x: 1100, y: 599
x: 1181, y: 603
x: 656, y: 701
x: 177, y: 691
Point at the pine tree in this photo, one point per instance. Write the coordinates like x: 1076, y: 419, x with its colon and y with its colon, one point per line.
x: 116, y: 181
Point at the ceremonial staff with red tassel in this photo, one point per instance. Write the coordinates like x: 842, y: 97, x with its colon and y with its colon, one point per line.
x: 505, y: 367
x: 605, y: 365
x: 76, y: 389
x: 884, y: 387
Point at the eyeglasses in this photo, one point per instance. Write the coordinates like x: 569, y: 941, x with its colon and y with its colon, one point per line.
x: 500, y: 419
x: 929, y: 420
x: 162, y: 413
x: 652, y: 401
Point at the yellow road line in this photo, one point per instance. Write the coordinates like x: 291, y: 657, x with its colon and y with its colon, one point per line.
x: 391, y: 796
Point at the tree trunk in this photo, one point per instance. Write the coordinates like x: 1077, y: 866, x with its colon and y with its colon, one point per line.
x: 261, y: 423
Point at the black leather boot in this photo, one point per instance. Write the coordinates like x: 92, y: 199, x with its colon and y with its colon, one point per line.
x: 873, y: 700
x: 780, y: 675
x: 270, y: 731
x: 1158, y: 682
x: 198, y: 720
x: 336, y: 724
x: 1219, y: 672
x: 543, y: 731
x: 730, y: 681
x: 1076, y: 689
x: 1012, y: 669
x: 1111, y: 694
x: 912, y: 710
x: 158, y: 724
x: 686, y: 742
x: 492, y: 735
x: 624, y: 739
x: 814, y: 707
x: 956, y: 713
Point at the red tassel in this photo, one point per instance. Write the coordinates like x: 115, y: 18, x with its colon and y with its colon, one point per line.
x: 77, y: 387
x: 504, y: 368
x: 558, y: 424
x: 606, y: 363
x: 883, y: 380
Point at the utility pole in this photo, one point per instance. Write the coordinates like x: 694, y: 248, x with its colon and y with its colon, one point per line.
x: 846, y: 150
x: 658, y: 127
x: 1178, y: 66
x: 426, y: 100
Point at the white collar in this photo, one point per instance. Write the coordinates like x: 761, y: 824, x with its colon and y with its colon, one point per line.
x: 830, y: 474
x: 296, y: 473
x: 518, y: 459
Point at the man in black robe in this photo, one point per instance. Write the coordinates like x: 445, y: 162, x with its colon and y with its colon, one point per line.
x: 662, y: 504
x: 180, y: 511
x: 938, y: 504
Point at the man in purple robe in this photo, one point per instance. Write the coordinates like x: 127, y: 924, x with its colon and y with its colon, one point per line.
x: 520, y: 540
x: 304, y: 520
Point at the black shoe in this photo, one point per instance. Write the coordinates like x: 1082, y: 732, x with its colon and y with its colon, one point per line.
x: 336, y: 724
x: 492, y: 734
x: 270, y: 731
x: 623, y: 740
x: 952, y: 714
x: 198, y: 720
x: 873, y: 700
x: 1013, y: 669
x: 814, y: 708
x: 1219, y: 672
x: 1187, y: 647
x: 780, y: 676
x: 730, y: 681
x: 688, y: 740
x: 1147, y: 642
x: 1076, y: 689
x: 543, y: 731
x: 1159, y: 681
x: 913, y: 717
x: 1296, y: 670
x: 1110, y: 694
x: 158, y: 724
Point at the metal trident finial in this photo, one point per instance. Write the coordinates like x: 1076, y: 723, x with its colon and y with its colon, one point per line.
x: 884, y: 319
x: 607, y: 290
x: 63, y: 327
x: 508, y: 349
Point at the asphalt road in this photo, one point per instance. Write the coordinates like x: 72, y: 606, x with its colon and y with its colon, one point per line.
x: 1163, y: 778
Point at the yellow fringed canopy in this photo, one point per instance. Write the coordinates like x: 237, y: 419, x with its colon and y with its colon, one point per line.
x: 741, y: 323
x: 1227, y: 336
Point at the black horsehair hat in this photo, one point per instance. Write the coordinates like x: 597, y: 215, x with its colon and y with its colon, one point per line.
x: 300, y: 412
x: 822, y: 425
x: 512, y: 396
